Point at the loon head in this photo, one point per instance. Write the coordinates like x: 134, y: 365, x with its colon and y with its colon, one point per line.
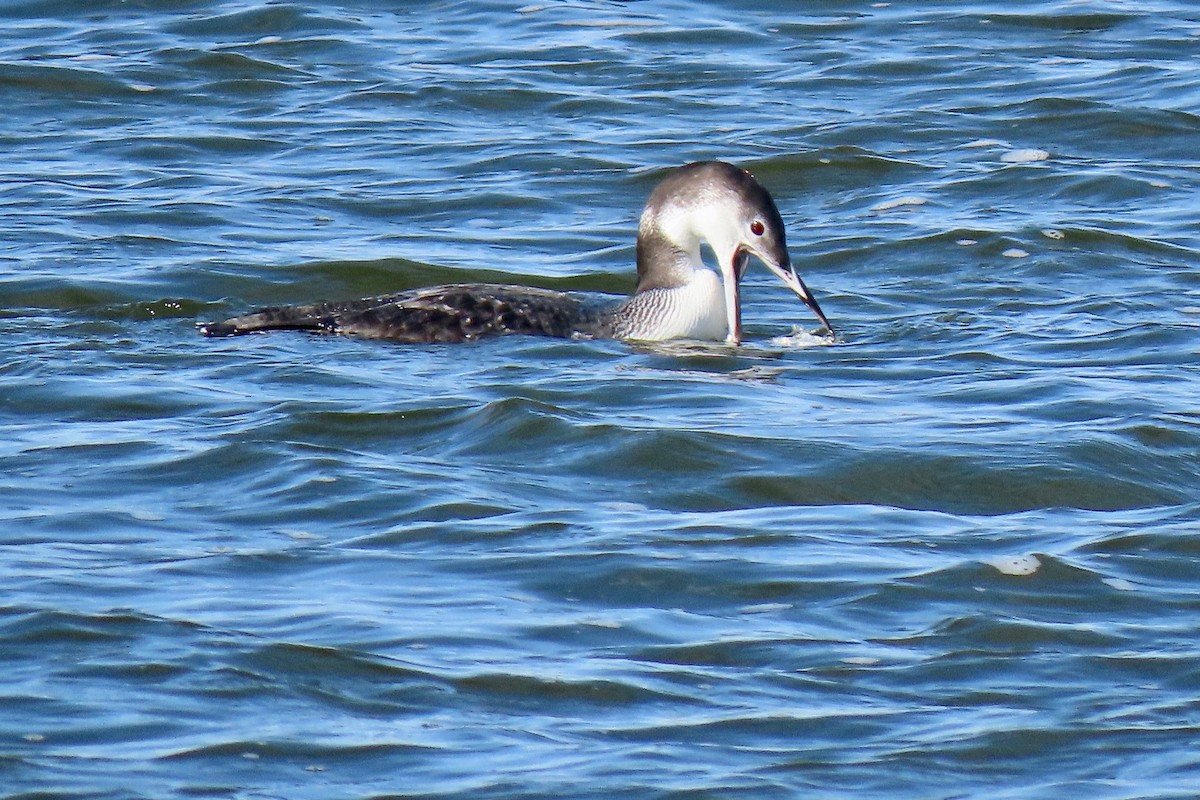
x: 723, y: 206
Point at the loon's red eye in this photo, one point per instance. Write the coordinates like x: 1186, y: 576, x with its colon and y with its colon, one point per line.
x: 757, y: 228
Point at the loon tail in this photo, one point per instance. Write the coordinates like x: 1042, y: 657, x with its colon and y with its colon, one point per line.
x: 276, y: 318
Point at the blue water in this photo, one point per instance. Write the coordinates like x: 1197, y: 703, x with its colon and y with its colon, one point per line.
x: 954, y: 554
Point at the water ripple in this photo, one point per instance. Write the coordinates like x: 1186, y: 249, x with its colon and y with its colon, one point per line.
x: 950, y: 553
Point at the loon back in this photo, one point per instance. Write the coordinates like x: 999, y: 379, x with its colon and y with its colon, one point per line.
x: 456, y: 313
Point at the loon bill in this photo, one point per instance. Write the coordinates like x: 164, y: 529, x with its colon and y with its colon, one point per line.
x: 677, y: 296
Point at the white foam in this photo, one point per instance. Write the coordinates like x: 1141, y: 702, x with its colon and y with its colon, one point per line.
x: 1052, y: 233
x: 800, y: 338
x: 966, y: 242
x: 298, y: 535
x: 1024, y: 156
x: 1015, y: 252
x: 861, y: 661
x: 1015, y: 565
x: 899, y: 202
x: 625, y: 507
x: 987, y: 143
x: 1120, y: 584
x: 765, y: 608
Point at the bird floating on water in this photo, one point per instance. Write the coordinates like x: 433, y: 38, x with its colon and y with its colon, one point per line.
x: 677, y: 296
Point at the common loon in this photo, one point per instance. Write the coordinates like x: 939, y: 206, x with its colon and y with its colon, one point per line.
x: 677, y: 296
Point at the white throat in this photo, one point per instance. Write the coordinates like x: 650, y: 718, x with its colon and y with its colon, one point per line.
x: 715, y: 295
x: 690, y: 227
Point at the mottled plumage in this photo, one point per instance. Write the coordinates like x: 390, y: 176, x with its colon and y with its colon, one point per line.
x: 455, y: 313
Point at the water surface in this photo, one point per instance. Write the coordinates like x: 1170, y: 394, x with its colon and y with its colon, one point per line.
x: 952, y: 555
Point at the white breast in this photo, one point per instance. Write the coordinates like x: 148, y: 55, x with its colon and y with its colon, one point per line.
x: 695, y: 310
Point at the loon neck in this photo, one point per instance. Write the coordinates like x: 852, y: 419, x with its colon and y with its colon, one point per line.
x: 678, y: 296
x: 694, y: 309
x: 662, y: 262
